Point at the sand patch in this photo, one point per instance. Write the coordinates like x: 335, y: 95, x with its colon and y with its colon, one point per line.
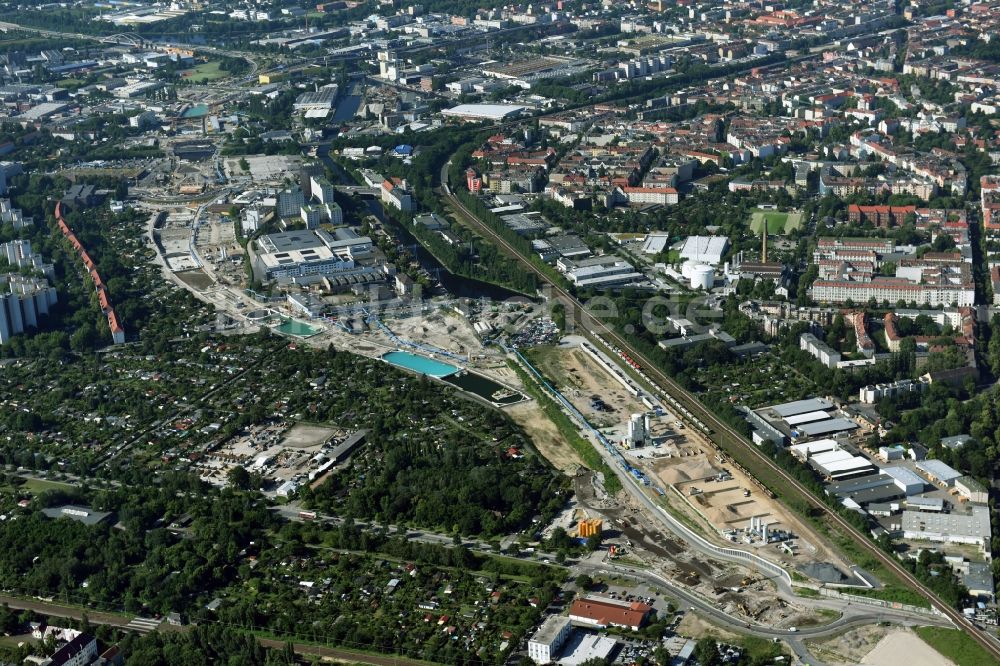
x: 303, y: 435
x: 672, y: 473
x: 890, y: 649
x: 545, y: 436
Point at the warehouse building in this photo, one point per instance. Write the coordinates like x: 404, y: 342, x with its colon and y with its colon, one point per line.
x: 320, y: 100
x: 972, y: 490
x: 600, y: 272
x: 938, y: 472
x: 600, y: 613
x: 866, y: 490
x: 806, y: 450
x: 801, y: 407
x: 972, y: 528
x: 839, y: 465
x: 908, y: 482
x: 826, y: 427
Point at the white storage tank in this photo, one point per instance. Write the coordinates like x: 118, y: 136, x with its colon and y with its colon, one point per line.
x: 702, y: 277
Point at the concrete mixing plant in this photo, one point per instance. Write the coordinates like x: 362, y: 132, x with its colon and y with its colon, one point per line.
x: 638, y: 431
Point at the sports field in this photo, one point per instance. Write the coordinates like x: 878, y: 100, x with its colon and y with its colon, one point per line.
x: 208, y: 70
x: 777, y: 222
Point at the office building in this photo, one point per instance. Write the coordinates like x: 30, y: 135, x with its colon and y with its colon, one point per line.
x: 544, y: 645
x: 297, y: 254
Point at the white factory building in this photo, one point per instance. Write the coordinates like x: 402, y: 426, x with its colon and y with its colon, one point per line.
x: 838, y: 464
x: 476, y: 112
x: 704, y: 249
x: 907, y: 481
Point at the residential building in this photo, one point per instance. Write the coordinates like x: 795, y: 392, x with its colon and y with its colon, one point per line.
x: 874, y: 393
x: 321, y: 190
x: 395, y: 193
x: 880, y: 216
x: 821, y: 351
x: 290, y: 202
x: 311, y: 216
x: 893, y: 290
x: 23, y: 302
x: 252, y: 218
x: 80, y: 651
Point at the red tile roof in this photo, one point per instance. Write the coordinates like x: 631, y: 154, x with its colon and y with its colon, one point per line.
x: 608, y: 613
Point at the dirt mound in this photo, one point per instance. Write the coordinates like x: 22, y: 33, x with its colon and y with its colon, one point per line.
x: 672, y: 473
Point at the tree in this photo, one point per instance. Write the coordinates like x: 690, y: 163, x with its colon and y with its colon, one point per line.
x: 706, y: 651
x: 238, y: 477
x: 584, y: 582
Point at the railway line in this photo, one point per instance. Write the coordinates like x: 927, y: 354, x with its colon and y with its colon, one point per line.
x: 718, y: 431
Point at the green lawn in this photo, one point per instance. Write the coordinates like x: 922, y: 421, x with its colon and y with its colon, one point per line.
x: 777, y: 222
x: 71, y: 83
x: 12, y: 641
x: 956, y: 645
x: 41, y: 485
x: 207, y: 70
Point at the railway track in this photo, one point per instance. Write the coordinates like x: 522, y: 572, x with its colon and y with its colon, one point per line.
x: 722, y: 433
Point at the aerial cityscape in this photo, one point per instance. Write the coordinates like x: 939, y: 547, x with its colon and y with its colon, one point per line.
x: 652, y: 333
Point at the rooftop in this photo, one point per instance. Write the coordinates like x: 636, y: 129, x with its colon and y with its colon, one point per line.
x: 607, y: 612
x: 938, y: 470
x: 484, y: 111
x: 801, y: 407
x: 550, y: 629
x: 974, y: 525
x: 828, y: 426
x: 82, y: 514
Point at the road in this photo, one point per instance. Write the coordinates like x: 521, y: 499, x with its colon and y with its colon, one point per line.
x: 727, y: 437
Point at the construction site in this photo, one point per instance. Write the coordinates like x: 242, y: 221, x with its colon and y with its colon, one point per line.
x: 687, y: 475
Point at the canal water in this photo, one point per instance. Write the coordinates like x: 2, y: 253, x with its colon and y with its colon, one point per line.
x: 421, y: 364
x: 346, y: 108
x: 457, y: 285
x: 470, y: 382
